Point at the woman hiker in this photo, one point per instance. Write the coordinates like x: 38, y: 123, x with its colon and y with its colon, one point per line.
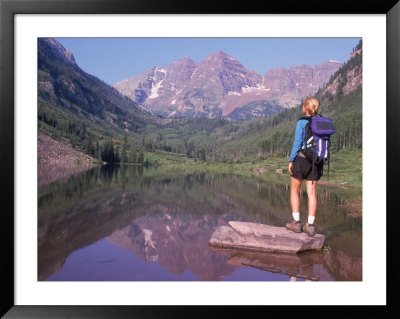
x: 300, y: 169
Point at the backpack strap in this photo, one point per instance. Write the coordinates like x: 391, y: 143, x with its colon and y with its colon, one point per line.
x: 305, y: 138
x: 305, y: 118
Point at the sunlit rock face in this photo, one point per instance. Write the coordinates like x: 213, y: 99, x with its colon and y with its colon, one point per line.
x: 220, y: 84
x: 261, y: 237
x: 293, y: 84
x: 351, y: 79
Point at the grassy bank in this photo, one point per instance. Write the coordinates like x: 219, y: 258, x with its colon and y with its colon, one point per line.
x: 345, y: 176
x: 345, y: 167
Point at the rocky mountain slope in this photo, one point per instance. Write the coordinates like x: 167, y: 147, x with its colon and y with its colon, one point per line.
x: 67, y: 93
x: 348, y: 78
x: 57, y: 159
x: 220, y: 84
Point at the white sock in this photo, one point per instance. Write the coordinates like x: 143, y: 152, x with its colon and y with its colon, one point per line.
x: 296, y: 216
x: 311, y: 219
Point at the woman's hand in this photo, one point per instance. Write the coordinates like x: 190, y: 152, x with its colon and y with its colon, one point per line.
x: 290, y: 168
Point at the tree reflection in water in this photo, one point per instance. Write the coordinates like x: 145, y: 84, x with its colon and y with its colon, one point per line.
x: 168, y: 216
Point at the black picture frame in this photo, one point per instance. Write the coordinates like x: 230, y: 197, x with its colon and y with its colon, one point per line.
x: 8, y: 9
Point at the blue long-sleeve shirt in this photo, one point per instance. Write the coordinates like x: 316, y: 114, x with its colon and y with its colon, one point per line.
x: 298, y: 138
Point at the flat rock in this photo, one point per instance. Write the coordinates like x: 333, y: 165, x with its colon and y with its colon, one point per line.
x: 261, y: 237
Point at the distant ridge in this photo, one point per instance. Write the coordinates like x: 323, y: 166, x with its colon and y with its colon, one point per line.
x: 220, y: 84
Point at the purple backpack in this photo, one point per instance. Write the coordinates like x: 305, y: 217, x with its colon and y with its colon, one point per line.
x: 317, y: 139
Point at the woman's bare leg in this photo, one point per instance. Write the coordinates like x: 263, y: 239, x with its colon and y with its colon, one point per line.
x: 311, y: 187
x: 295, y: 185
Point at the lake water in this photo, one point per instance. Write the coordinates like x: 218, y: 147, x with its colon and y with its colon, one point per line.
x: 130, y: 223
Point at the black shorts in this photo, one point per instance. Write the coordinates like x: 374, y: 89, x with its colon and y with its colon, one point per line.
x: 304, y: 169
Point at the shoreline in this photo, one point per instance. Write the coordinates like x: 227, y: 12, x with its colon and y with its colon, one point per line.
x: 57, y: 160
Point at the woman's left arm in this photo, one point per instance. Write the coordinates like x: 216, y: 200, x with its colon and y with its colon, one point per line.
x: 298, y: 140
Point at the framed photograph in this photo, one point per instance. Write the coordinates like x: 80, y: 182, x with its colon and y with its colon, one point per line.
x: 112, y: 237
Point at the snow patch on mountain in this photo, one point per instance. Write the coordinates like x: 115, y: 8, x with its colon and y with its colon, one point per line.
x: 154, y: 90
x: 234, y: 93
x: 193, y: 73
x: 255, y: 89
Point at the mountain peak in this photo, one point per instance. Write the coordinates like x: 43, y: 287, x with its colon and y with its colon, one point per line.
x: 59, y: 50
x: 185, y: 60
x: 217, y: 55
x: 219, y: 52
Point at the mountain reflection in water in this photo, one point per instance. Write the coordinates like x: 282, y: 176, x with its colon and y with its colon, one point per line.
x: 129, y: 223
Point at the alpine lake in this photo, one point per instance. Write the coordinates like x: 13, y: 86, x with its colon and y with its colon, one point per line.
x: 132, y: 223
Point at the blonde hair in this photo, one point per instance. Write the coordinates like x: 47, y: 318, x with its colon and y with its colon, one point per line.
x: 311, y: 104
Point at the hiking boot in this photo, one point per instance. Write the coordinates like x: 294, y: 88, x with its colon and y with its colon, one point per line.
x: 309, y: 229
x: 294, y: 226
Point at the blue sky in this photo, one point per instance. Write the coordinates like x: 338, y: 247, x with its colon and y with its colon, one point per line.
x: 115, y: 59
